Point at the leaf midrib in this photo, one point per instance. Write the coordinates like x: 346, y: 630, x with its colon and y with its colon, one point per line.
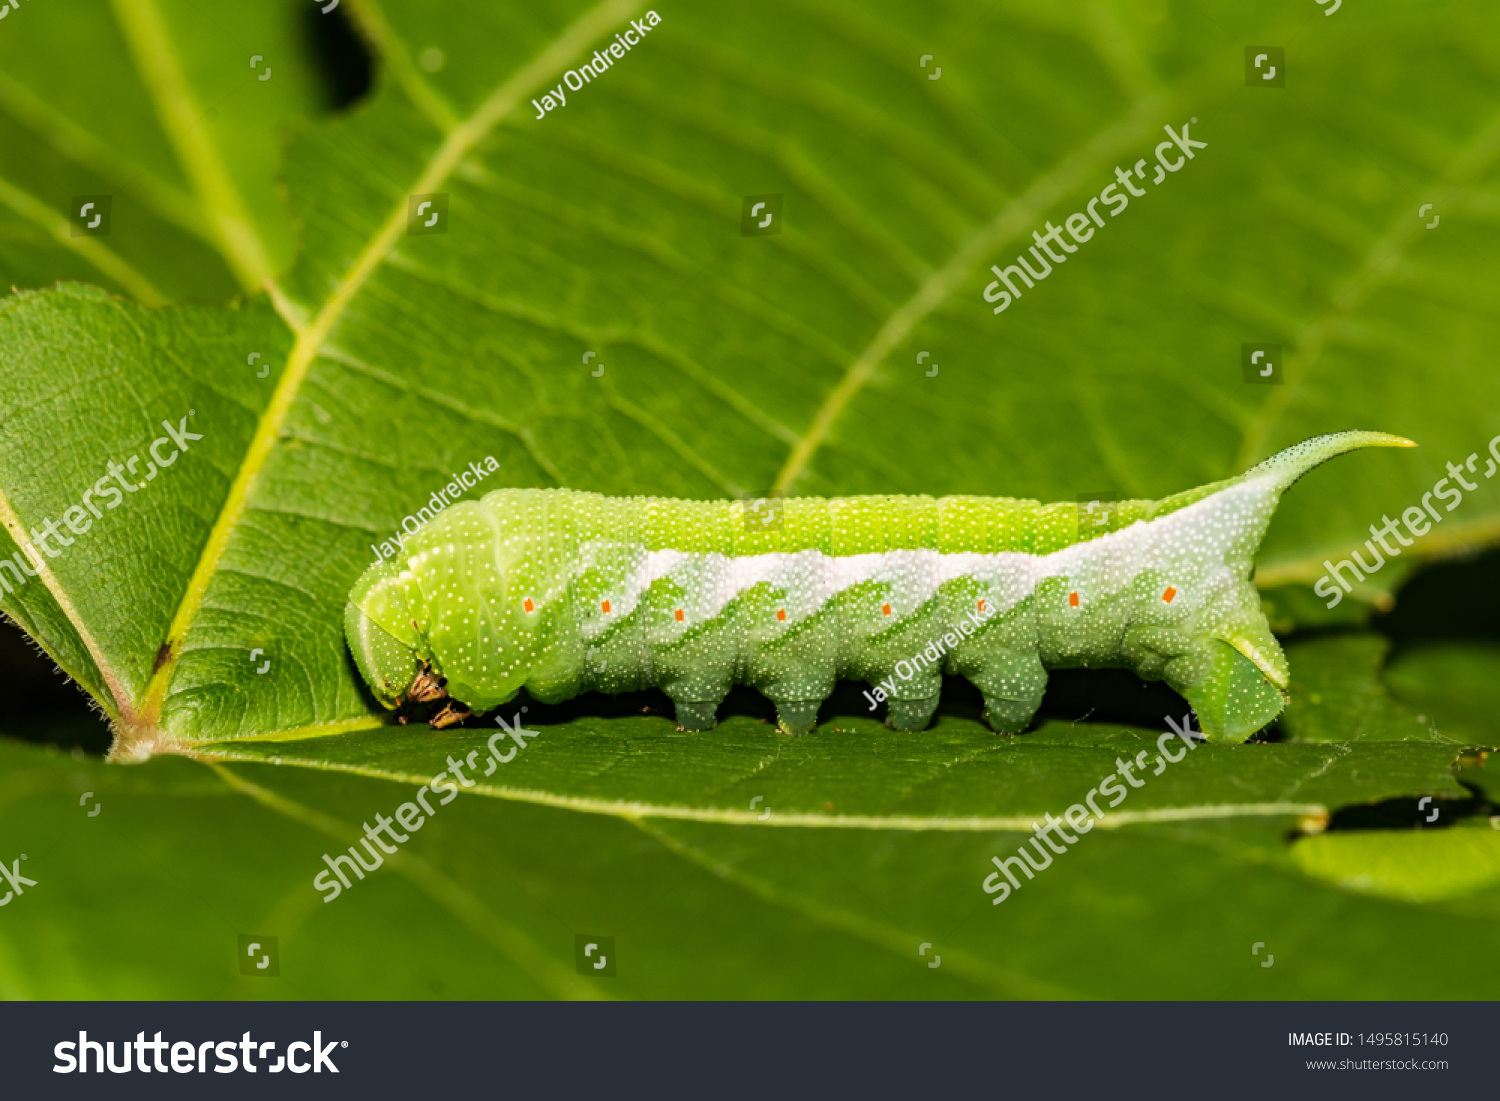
x: 632, y: 809
x: 156, y: 60
x: 458, y: 142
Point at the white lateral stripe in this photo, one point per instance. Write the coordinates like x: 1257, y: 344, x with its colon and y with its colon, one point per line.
x: 915, y: 576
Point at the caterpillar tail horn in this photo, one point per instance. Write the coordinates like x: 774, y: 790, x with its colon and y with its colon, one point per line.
x: 1239, y: 681
x: 1285, y: 467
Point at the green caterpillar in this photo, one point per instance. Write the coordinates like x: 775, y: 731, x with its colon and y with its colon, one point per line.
x: 562, y: 592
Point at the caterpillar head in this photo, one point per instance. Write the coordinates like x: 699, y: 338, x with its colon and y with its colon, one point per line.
x: 447, y: 638
x: 381, y: 626
x: 396, y: 673
x: 392, y: 668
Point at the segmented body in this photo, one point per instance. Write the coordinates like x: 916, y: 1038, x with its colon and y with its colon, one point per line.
x: 563, y: 592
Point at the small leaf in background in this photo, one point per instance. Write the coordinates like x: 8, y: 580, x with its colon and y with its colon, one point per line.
x: 1413, y: 866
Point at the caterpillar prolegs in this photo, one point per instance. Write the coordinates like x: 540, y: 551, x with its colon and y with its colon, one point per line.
x: 563, y: 592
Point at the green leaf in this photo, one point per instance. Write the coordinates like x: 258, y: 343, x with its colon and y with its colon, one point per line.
x: 1456, y: 683
x: 953, y: 773
x: 155, y: 103
x: 612, y: 828
x: 1338, y: 695
x: 1290, y: 608
x: 732, y: 365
